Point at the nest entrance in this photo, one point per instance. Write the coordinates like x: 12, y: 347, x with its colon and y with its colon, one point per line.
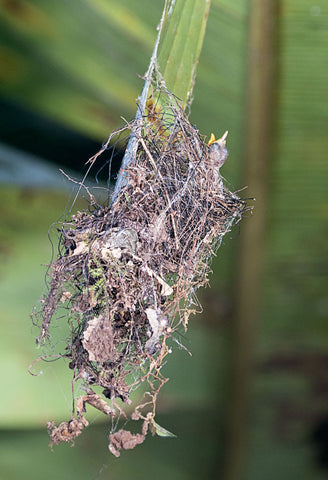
x: 127, y: 273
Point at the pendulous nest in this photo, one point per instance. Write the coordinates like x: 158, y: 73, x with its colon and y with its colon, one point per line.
x: 127, y: 273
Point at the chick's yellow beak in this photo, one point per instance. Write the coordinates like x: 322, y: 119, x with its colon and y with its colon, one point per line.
x: 220, y: 141
x: 211, y: 140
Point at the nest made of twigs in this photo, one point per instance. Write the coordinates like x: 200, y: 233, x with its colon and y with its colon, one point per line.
x: 127, y: 273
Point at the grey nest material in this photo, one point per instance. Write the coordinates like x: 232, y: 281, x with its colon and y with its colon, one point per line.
x: 127, y: 273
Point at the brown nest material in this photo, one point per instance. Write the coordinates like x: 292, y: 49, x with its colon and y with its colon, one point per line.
x: 127, y: 273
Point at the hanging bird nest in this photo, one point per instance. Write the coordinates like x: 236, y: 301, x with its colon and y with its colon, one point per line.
x: 127, y: 273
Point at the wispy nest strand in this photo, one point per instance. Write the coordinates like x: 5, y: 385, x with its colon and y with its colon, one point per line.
x: 127, y: 273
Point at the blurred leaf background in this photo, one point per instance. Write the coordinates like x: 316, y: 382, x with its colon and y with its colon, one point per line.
x: 68, y: 73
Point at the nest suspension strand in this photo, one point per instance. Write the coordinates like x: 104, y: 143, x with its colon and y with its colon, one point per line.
x: 127, y: 273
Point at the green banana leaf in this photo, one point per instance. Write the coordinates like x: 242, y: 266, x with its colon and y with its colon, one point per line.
x: 41, y: 47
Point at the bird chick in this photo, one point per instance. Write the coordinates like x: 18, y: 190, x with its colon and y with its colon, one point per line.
x: 217, y: 150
